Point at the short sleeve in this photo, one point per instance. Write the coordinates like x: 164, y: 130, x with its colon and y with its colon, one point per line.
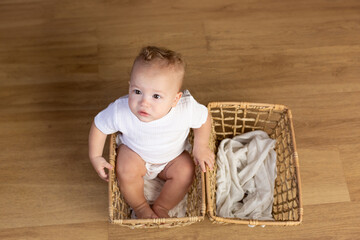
x: 199, y: 113
x: 106, y: 120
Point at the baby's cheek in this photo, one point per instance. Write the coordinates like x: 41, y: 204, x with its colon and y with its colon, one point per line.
x: 132, y: 106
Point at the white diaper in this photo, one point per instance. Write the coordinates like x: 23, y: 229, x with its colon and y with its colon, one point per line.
x: 153, y: 170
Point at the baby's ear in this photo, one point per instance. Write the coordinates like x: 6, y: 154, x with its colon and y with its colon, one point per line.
x: 177, y: 98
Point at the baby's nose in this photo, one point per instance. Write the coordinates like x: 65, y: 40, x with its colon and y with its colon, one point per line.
x: 144, y: 102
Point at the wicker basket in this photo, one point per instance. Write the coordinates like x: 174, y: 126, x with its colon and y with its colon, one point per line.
x: 120, y: 213
x: 232, y: 118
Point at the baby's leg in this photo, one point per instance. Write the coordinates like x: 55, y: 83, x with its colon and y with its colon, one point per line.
x: 178, y: 174
x: 130, y: 169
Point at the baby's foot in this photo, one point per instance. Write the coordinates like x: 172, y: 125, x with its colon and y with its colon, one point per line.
x: 144, y: 211
x: 160, y: 211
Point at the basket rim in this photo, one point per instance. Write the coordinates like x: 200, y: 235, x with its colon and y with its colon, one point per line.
x: 158, y: 220
x: 278, y: 107
x: 254, y: 222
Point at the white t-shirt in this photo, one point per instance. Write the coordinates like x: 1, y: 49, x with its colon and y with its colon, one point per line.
x: 158, y: 141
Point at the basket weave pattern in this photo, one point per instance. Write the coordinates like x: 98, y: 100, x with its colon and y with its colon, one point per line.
x: 119, y: 210
x: 231, y: 119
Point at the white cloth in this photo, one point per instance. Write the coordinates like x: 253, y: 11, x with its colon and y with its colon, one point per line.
x: 152, y: 189
x: 246, y: 176
x: 158, y: 141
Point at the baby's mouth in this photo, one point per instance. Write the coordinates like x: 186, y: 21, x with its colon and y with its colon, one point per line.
x: 144, y: 114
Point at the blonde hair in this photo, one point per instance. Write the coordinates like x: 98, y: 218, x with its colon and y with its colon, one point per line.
x: 152, y: 54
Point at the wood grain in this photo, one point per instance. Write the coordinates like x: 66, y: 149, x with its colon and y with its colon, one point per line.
x: 61, y: 62
x: 322, y: 175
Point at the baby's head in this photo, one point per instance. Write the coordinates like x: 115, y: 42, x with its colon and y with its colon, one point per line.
x: 156, y: 79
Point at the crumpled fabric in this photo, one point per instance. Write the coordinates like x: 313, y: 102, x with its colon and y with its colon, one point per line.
x: 152, y: 189
x: 246, y: 176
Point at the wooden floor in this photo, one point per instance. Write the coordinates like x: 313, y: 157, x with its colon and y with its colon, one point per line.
x: 63, y: 61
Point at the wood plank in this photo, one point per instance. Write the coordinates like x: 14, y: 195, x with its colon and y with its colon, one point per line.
x: 47, y: 178
x: 350, y: 157
x: 92, y: 230
x: 322, y: 176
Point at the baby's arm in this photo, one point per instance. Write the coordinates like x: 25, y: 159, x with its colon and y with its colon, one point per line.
x: 96, y: 146
x: 201, y: 151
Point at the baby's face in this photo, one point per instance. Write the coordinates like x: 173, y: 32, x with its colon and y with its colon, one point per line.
x: 153, y: 91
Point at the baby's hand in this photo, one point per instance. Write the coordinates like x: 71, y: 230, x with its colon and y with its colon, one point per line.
x: 202, y: 156
x: 100, y: 164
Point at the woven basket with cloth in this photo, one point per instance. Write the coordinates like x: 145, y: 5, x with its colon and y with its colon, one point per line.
x: 228, y: 120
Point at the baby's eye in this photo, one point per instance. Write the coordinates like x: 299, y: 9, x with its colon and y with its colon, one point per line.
x: 156, y: 96
x: 137, y: 91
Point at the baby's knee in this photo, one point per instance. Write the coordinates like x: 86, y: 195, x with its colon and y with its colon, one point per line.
x: 128, y: 169
x: 126, y: 172
x: 186, y: 173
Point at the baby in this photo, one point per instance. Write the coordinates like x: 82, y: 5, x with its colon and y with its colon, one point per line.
x: 154, y: 121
